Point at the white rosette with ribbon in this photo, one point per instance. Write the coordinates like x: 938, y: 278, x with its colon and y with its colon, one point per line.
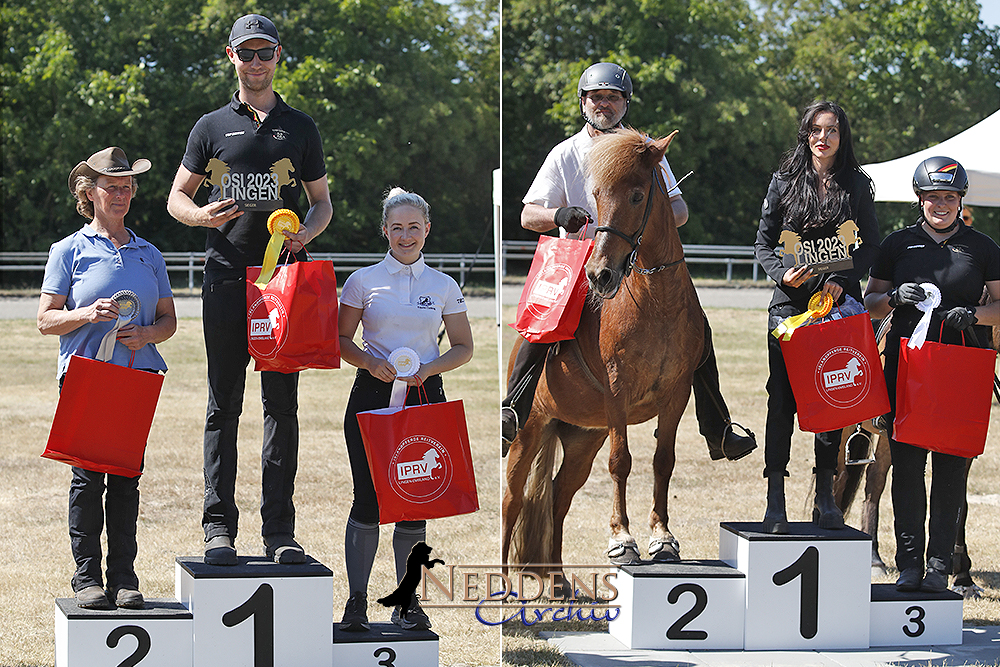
x: 128, y: 310
x: 931, y: 301
x: 406, y: 362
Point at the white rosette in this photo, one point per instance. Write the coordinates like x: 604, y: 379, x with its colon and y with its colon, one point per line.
x: 927, y: 306
x: 406, y: 362
x: 128, y: 310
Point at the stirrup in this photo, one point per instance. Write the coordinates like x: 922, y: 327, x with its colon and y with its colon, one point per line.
x: 859, y: 448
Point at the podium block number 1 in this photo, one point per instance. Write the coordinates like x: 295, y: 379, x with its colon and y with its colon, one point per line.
x: 260, y: 606
x: 807, y: 569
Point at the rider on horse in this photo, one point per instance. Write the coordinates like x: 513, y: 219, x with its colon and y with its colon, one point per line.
x: 561, y: 197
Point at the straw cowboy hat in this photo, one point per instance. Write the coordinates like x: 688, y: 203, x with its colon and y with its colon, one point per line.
x: 112, y: 161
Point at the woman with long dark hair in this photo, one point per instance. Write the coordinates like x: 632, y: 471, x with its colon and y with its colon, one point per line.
x: 819, y: 208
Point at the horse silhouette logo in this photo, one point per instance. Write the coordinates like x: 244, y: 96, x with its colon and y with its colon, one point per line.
x: 216, y: 170
x: 848, y: 233
x: 789, y: 243
x: 282, y: 170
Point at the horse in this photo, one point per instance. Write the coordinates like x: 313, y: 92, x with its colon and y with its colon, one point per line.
x: 639, y: 340
x: 875, y: 473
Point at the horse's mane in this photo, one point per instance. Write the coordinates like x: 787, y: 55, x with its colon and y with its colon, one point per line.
x: 615, y: 155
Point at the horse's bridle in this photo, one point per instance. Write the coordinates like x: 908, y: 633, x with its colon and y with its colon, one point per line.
x: 635, y: 239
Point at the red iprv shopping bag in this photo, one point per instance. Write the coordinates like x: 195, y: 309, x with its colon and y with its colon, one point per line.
x: 420, y: 461
x: 943, y: 397
x: 555, y: 291
x: 94, y: 433
x: 292, y: 322
x: 835, y: 373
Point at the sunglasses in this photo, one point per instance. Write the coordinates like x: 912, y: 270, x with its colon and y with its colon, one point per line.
x: 265, y: 54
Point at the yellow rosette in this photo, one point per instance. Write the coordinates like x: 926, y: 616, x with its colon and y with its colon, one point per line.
x: 278, y: 222
x: 819, y: 307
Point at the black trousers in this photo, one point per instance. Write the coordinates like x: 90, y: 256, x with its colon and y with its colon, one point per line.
x: 710, y: 406
x: 370, y: 393
x: 781, y: 410
x: 86, y: 522
x: 225, y: 326
x: 909, y: 492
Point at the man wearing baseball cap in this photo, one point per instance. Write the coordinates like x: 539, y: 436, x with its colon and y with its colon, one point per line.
x: 253, y: 155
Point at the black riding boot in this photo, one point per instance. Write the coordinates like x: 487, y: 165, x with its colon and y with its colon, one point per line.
x: 521, y: 385
x: 826, y: 514
x: 775, y: 519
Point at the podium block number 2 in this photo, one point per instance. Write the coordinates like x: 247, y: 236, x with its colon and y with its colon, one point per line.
x: 806, y: 567
x: 141, y: 649
x: 260, y: 606
x: 677, y: 631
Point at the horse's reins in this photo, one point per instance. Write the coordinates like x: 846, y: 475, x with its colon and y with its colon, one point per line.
x: 635, y: 239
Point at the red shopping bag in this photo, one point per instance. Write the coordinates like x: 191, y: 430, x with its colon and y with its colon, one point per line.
x: 943, y: 397
x: 835, y: 373
x: 118, y: 445
x: 292, y: 322
x: 555, y: 292
x: 420, y: 461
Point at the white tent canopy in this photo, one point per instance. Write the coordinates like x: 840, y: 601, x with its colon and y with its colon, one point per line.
x: 975, y: 149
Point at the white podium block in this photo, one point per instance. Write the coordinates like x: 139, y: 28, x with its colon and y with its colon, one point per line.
x: 258, y: 612
x: 385, y: 644
x: 157, y: 636
x: 809, y: 589
x: 915, y: 619
x: 683, y: 605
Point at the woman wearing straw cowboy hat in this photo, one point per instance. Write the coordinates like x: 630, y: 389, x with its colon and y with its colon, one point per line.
x: 85, y: 272
x: 942, y: 266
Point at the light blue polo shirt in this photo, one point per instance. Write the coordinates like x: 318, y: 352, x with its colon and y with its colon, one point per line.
x: 85, y: 267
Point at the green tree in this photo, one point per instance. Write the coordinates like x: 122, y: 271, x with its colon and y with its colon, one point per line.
x: 393, y: 86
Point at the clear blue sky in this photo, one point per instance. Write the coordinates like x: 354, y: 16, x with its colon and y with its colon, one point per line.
x: 990, y: 12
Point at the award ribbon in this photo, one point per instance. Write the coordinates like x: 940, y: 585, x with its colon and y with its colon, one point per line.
x: 819, y: 307
x: 407, y: 363
x: 927, y: 306
x: 279, y: 221
x: 128, y: 310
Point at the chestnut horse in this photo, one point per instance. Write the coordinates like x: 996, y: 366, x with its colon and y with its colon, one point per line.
x: 639, y: 341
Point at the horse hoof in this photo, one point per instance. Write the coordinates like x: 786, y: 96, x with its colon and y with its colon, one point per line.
x: 972, y: 592
x: 624, y: 553
x: 664, y: 549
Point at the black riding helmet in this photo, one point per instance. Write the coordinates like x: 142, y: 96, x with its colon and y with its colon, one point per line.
x: 940, y: 173
x: 605, y: 76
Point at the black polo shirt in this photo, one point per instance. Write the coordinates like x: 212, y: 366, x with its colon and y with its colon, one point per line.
x: 262, y: 165
x: 960, y: 266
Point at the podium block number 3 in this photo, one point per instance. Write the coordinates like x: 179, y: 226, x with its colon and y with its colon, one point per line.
x: 677, y: 631
x: 260, y: 605
x: 141, y: 650
x: 806, y: 567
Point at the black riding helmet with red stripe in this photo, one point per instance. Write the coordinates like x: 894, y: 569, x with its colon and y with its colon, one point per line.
x: 940, y: 173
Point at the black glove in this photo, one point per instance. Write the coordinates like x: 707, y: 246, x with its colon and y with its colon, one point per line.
x: 572, y: 218
x: 960, y: 317
x: 908, y: 293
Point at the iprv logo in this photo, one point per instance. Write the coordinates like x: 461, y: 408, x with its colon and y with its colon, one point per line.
x: 267, y: 326
x: 843, y: 377
x: 548, y: 286
x: 421, y: 469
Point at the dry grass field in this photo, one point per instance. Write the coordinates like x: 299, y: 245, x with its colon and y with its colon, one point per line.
x: 35, y: 561
x: 704, y: 493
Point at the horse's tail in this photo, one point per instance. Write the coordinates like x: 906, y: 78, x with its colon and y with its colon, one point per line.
x: 852, y: 482
x: 531, y: 541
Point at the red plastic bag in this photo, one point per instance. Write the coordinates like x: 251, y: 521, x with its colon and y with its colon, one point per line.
x: 555, y: 292
x: 118, y: 447
x: 835, y: 373
x: 943, y: 397
x: 292, y: 322
x: 420, y: 461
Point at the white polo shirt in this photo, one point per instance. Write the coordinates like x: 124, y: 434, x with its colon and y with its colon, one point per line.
x: 402, y: 306
x: 562, y: 181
